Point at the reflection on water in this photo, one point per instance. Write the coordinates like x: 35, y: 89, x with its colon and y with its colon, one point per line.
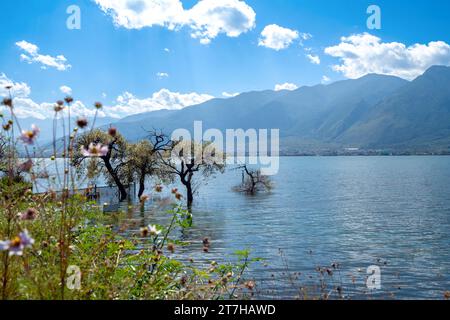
x: 358, y: 211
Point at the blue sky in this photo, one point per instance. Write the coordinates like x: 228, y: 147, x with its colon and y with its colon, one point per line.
x: 107, y: 59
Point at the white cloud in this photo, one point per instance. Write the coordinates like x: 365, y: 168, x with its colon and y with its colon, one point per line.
x: 66, y: 90
x: 162, y: 75
x: 59, y: 62
x: 277, y: 38
x: 207, y: 18
x: 230, y: 95
x: 314, y: 59
x: 128, y: 104
x: 18, y: 89
x: 325, y: 79
x: 361, y: 54
x: 25, y: 107
x: 167, y: 50
x: 286, y: 86
x: 306, y: 36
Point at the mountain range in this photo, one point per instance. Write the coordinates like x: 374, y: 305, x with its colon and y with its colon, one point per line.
x: 375, y: 112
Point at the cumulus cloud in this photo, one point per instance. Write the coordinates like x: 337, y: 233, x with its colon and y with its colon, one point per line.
x: 32, y: 55
x: 314, y: 59
x: 128, y: 104
x: 66, y: 90
x: 361, y: 54
x: 18, y: 89
x: 206, y: 19
x: 25, y: 107
x: 286, y: 86
x: 230, y: 95
x: 277, y: 38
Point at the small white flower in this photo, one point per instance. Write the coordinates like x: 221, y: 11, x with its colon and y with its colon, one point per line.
x: 153, y: 230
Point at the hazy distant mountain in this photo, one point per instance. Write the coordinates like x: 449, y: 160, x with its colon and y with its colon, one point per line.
x: 374, y: 111
x: 416, y: 115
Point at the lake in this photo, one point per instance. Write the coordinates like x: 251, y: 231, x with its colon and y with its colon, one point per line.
x: 391, y: 212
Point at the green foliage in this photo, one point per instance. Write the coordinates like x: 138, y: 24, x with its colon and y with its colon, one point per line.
x: 112, y: 266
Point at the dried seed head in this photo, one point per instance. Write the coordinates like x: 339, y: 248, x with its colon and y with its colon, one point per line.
x: 68, y: 99
x: 7, y: 102
x: 112, y: 132
x: 82, y: 123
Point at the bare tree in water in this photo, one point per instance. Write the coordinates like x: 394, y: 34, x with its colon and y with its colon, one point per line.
x: 188, y: 159
x: 253, y: 181
x: 144, y: 159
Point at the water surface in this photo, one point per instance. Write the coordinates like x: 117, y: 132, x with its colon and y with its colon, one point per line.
x: 393, y: 212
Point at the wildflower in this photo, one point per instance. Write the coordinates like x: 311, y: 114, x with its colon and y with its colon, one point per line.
x: 158, y: 188
x: 28, y: 136
x: 145, y: 232
x: 59, y: 106
x: 250, y: 285
x: 14, y: 246
x: 68, y: 99
x: 112, y: 132
x: 178, y: 196
x: 7, y: 102
x: 17, y: 244
x: 30, y: 214
x: 144, y: 198
x: 6, y: 127
x: 98, y: 105
x: 171, y: 247
x: 95, y: 150
x: 82, y: 123
x: 26, y: 166
x: 153, y: 230
x: 174, y: 191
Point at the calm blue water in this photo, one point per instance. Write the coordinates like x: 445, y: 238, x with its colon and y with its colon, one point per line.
x: 358, y: 211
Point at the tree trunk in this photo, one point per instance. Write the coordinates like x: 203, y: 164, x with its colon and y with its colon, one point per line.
x: 141, y: 185
x: 123, y: 192
x: 190, y: 196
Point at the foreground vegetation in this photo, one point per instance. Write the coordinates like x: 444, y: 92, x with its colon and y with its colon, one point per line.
x: 59, y: 245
